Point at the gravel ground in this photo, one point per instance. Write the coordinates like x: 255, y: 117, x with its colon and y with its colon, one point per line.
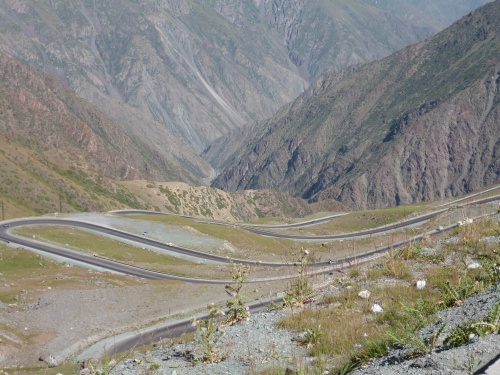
x: 257, y: 344
x: 466, y: 359
x: 251, y: 345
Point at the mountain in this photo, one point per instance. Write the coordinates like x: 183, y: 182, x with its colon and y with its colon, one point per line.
x: 47, y: 131
x: 58, y: 153
x: 203, y: 68
x: 419, y: 125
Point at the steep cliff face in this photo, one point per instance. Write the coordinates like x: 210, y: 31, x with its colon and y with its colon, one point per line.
x: 452, y: 150
x: 202, y: 69
x: 418, y: 125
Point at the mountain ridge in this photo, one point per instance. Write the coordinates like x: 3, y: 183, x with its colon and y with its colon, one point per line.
x: 331, y: 140
x: 205, y: 68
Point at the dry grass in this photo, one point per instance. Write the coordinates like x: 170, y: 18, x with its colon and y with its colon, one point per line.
x: 350, y: 333
x: 249, y: 245
x: 25, y: 275
x: 360, y: 220
x: 104, y: 246
x: 394, y: 268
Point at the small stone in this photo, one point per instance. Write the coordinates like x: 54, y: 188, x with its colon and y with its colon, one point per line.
x: 420, y: 284
x: 376, y: 308
x: 364, y: 294
x: 474, y: 266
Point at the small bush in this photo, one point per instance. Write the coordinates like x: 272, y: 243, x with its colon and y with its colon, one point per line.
x: 462, y: 334
x: 310, y: 337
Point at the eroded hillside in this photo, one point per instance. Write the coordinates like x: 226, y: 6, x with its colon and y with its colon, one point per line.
x: 204, y: 68
x: 419, y: 125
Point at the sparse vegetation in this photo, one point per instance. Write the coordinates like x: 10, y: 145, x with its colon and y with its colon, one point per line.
x: 359, y: 334
x: 237, y: 310
x: 468, y: 331
x: 208, y: 333
x: 299, y: 291
x: 344, y: 321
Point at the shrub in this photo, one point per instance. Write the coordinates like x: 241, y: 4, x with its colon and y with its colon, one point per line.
x: 310, y: 337
x: 462, y: 334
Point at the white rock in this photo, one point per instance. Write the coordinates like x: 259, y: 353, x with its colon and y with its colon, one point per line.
x: 364, y: 294
x: 376, y: 308
x: 420, y: 284
x: 469, y: 221
x: 474, y: 266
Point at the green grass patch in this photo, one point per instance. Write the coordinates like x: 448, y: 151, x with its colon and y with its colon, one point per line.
x: 19, y: 263
x: 96, y: 244
x: 356, y: 221
x: 350, y: 332
x: 249, y: 244
x: 64, y: 368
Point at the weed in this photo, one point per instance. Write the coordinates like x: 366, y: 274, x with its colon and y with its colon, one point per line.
x: 490, y: 272
x: 394, y: 268
x: 472, y: 362
x: 208, y: 334
x: 103, y: 367
x: 154, y: 366
x: 410, y: 320
x: 353, y: 273
x: 455, y: 294
x: 462, y: 334
x: 413, y: 251
x: 310, y: 337
x: 299, y: 291
x: 237, y: 310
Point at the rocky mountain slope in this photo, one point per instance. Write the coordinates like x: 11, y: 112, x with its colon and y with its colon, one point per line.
x: 421, y: 124
x: 53, y: 141
x: 39, y: 110
x: 203, y: 201
x: 59, y: 153
x: 203, y: 68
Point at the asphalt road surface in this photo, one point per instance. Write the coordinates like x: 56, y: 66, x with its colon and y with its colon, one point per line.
x: 170, y: 330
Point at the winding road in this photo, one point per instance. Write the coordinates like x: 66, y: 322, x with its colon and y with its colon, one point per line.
x: 136, y: 339
x: 115, y: 266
